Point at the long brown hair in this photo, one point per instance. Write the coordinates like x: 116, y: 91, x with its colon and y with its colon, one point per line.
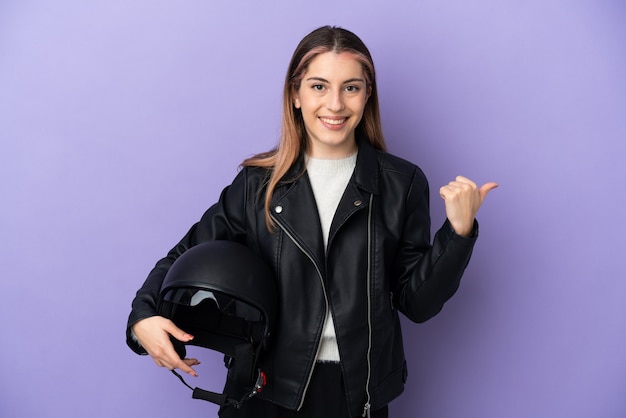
x: 293, y: 140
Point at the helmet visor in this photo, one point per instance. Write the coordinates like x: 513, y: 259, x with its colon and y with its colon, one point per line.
x: 215, y: 319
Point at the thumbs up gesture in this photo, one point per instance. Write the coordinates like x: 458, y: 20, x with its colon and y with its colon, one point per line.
x: 463, y: 198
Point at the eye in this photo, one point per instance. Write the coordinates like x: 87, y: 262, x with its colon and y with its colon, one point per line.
x: 352, y: 89
x: 317, y: 87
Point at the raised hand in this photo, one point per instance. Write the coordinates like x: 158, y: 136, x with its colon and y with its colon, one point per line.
x: 462, y: 199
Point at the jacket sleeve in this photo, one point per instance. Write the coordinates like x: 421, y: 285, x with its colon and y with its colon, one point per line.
x: 224, y: 220
x: 429, y: 274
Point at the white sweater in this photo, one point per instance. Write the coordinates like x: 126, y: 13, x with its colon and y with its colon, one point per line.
x: 329, y: 179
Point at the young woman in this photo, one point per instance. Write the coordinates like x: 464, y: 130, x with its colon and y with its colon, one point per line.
x: 346, y: 228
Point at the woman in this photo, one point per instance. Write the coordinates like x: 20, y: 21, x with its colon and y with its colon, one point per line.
x: 346, y: 228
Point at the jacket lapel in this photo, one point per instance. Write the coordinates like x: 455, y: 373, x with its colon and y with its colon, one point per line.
x: 294, y: 207
x: 364, y: 182
x: 296, y: 211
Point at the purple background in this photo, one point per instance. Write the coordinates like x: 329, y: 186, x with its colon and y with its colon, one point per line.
x: 120, y: 122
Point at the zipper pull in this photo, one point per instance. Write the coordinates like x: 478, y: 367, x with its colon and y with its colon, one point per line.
x: 366, y: 410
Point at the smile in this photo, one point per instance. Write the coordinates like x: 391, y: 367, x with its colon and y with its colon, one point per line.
x: 330, y: 121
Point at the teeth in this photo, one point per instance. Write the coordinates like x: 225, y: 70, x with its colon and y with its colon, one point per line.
x: 333, y: 121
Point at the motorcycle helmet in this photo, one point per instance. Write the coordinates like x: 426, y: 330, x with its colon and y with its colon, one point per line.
x: 223, y: 294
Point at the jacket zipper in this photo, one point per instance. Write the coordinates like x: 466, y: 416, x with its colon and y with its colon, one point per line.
x: 319, y: 344
x: 367, y: 406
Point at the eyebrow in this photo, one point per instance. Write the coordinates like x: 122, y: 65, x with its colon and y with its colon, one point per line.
x: 323, y: 80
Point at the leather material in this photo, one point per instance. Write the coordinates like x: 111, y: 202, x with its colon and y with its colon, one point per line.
x: 379, y: 261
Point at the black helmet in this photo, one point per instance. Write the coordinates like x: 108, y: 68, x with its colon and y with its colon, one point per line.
x: 223, y: 294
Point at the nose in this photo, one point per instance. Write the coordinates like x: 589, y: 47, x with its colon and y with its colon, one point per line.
x: 335, y: 101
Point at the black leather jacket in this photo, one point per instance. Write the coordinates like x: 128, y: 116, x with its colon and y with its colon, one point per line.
x: 379, y: 261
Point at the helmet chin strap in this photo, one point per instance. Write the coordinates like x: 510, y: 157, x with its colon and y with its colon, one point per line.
x: 222, y: 399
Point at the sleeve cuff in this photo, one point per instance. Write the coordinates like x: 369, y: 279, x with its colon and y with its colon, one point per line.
x: 460, y: 238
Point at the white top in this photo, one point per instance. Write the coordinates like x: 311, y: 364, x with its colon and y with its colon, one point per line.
x: 329, y: 179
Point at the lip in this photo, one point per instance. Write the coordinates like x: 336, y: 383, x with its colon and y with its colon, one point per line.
x: 333, y: 122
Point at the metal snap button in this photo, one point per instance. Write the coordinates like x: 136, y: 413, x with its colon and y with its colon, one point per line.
x: 278, y: 209
x: 358, y: 202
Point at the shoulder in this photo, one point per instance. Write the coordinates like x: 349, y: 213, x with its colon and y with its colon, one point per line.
x: 398, y: 167
x: 380, y: 171
x: 248, y: 182
x: 253, y: 174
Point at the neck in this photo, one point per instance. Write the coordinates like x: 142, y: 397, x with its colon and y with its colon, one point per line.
x: 333, y: 152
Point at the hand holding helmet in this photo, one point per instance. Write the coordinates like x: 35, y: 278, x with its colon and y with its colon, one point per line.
x: 154, y: 335
x: 225, y: 295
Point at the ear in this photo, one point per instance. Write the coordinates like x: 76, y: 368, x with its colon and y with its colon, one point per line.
x: 296, y: 101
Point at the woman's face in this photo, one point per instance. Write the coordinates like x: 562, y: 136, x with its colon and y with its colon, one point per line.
x: 332, y: 97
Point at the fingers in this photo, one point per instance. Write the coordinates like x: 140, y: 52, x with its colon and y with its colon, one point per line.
x: 177, y: 333
x: 171, y: 360
x: 462, y: 184
x: 153, y: 334
x: 486, y: 188
x: 459, y: 185
x: 462, y: 200
x: 164, y: 357
x: 184, y: 365
x: 464, y: 180
x: 191, y: 362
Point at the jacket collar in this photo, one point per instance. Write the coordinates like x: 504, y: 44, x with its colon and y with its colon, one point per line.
x: 366, y: 171
x: 294, y: 207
